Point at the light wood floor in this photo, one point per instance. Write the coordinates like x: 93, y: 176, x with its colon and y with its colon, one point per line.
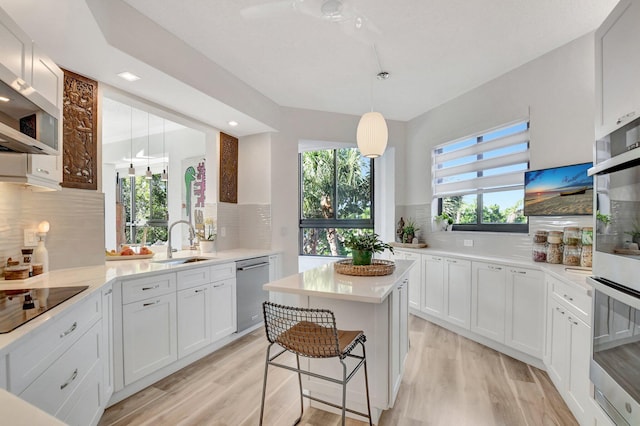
x: 448, y: 380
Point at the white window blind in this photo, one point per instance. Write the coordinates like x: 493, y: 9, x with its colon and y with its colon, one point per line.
x: 489, y: 161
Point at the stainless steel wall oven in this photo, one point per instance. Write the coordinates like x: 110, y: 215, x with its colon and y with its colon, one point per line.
x: 615, y: 362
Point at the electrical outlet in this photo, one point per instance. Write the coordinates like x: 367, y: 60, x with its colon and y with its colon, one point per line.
x: 30, y: 237
x: 468, y: 243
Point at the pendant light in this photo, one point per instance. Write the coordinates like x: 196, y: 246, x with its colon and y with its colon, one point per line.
x: 165, y: 176
x: 148, y: 175
x: 372, y: 133
x: 132, y: 170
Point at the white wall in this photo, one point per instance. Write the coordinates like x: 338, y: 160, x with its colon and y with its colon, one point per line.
x: 254, y: 169
x: 556, y: 91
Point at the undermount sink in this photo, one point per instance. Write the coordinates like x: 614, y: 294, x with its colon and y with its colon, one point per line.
x: 183, y: 260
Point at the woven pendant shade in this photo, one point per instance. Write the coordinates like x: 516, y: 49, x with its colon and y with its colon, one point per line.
x: 372, y: 135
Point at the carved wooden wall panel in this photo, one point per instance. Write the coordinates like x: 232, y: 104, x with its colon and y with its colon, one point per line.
x: 228, y: 168
x: 80, y: 132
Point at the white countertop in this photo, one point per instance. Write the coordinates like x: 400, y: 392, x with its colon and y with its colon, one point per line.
x: 18, y: 412
x: 571, y: 274
x: 323, y: 281
x: 97, y: 276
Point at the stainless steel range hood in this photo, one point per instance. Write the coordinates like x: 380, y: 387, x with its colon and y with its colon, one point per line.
x: 24, y: 126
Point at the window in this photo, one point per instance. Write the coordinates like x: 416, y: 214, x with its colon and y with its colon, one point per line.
x: 336, y: 199
x: 479, y: 180
x: 147, y: 199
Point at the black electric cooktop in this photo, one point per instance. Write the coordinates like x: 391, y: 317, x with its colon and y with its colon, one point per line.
x: 18, y: 307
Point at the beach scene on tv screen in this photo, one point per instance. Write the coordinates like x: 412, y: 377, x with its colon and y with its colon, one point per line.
x: 559, y: 191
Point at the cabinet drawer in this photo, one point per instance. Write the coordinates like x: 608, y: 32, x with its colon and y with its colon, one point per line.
x: 572, y: 298
x: 193, y: 277
x: 143, y: 288
x: 84, y: 406
x: 40, y: 350
x: 223, y: 271
x: 50, y: 391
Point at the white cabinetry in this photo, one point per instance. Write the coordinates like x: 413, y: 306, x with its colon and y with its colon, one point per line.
x: 194, y: 319
x: 47, y: 78
x: 399, y: 306
x: 617, y: 68
x: 275, y: 267
x: 569, y: 346
x: 433, y: 301
x: 149, y: 328
x: 107, y: 342
x: 59, y: 368
x: 223, y: 302
x: 15, y: 51
x: 457, y: 279
x: 525, y: 311
x: 488, y: 300
x: 39, y: 170
x: 415, y: 278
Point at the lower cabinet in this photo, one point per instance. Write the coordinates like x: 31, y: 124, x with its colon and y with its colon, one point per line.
x: 223, y: 302
x: 488, y: 300
x: 149, y: 336
x: 433, y: 301
x: 524, y: 326
x: 457, y: 291
x: 415, y: 277
x: 194, y: 319
x: 568, y: 356
x: 399, y: 347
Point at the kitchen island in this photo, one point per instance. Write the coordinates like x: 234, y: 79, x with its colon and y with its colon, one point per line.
x: 376, y: 305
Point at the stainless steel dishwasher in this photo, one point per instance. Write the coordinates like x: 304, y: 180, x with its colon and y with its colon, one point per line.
x: 251, y: 275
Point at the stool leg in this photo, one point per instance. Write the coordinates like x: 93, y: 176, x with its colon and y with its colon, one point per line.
x: 366, y: 382
x: 300, y: 387
x: 344, y: 390
x: 264, y: 383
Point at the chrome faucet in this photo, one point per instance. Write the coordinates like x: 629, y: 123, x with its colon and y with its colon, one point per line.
x: 191, y: 232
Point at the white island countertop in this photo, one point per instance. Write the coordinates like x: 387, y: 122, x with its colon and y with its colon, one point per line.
x: 323, y: 281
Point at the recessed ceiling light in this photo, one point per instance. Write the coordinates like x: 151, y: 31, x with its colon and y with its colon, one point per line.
x: 128, y: 76
x: 4, y: 99
x: 233, y: 123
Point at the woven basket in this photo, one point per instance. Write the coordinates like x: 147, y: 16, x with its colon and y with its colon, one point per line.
x: 377, y: 268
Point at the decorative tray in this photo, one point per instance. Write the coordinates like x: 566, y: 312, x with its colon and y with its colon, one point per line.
x: 130, y: 257
x: 408, y: 245
x: 378, y: 267
x: 627, y: 251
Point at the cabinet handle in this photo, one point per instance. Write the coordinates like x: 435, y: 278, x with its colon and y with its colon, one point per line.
x: 200, y: 290
x: 437, y: 258
x: 70, y: 330
x: 71, y: 379
x: 151, y: 288
x: 452, y: 261
x: 150, y: 303
x: 569, y: 298
x: 515, y: 271
x: 218, y: 285
x: 495, y: 268
x: 625, y: 117
x: 572, y: 321
x: 108, y: 292
x: 39, y: 170
x: 560, y: 310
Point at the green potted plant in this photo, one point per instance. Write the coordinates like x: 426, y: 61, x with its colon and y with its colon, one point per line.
x: 444, y: 219
x: 363, y: 246
x: 603, y: 221
x: 207, y: 244
x: 409, y: 231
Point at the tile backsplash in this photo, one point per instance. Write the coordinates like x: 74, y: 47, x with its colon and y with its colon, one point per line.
x: 76, y: 237
x: 496, y: 244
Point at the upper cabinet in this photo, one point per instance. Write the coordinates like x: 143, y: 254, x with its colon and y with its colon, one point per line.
x: 617, y: 68
x: 15, y: 53
x: 46, y: 77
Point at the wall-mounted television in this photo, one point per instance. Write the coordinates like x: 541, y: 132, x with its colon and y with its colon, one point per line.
x: 559, y: 191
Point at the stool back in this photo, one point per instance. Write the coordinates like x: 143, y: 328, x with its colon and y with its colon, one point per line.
x: 304, y: 331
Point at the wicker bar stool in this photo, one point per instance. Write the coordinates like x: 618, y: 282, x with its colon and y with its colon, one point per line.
x: 312, y: 333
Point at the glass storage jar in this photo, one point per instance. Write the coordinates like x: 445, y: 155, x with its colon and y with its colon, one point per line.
x: 539, y: 252
x: 571, y: 236
x: 587, y: 236
x: 554, y: 253
x: 586, y: 256
x: 554, y: 237
x: 571, y: 256
x: 540, y: 237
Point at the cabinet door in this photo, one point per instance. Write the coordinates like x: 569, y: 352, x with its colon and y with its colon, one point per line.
x: 194, y: 319
x: 415, y: 281
x: 488, y: 300
x: 149, y: 336
x: 106, y: 351
x: 47, y: 77
x: 558, y: 334
x: 275, y: 267
x: 578, y: 382
x: 45, y: 166
x: 399, y: 337
x: 15, y: 51
x: 223, y: 302
x: 525, y: 311
x: 433, y: 302
x: 617, y: 67
x: 457, y: 277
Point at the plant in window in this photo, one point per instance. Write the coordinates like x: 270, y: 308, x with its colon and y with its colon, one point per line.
x: 364, y: 245
x: 444, y: 220
x: 207, y: 244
